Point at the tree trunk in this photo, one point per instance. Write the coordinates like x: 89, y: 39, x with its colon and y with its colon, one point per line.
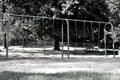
x: 56, y: 43
x: 5, y: 41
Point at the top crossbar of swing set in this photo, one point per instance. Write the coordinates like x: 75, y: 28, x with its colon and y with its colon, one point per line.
x: 56, y: 18
x: 43, y: 17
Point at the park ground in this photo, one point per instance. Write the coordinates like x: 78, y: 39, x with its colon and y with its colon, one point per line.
x: 53, y: 64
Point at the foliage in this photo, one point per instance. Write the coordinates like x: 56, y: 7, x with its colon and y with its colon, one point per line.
x: 21, y: 29
x: 30, y: 7
x: 78, y: 9
x: 81, y: 9
x: 114, y: 6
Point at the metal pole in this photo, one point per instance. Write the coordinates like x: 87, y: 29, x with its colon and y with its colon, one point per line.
x: 62, y: 40
x: 93, y: 44
x: 43, y: 35
x: 53, y: 32
x: 99, y: 33
x: 7, y: 36
x: 68, y: 37
x: 15, y: 15
x: 113, y: 38
x: 76, y: 32
x: 105, y: 38
x: 105, y: 42
x: 113, y: 44
x: 84, y: 34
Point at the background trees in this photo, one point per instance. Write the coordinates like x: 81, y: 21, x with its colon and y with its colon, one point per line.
x: 81, y: 9
x: 78, y: 9
x: 100, y: 10
x: 114, y: 6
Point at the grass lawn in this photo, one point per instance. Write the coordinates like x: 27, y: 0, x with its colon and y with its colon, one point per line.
x: 26, y: 61
x: 59, y: 76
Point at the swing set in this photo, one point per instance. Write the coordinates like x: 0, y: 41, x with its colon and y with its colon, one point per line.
x: 92, y: 32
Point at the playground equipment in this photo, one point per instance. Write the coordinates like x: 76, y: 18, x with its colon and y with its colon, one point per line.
x: 84, y: 34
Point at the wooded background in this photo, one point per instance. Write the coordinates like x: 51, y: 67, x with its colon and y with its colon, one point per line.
x: 97, y: 10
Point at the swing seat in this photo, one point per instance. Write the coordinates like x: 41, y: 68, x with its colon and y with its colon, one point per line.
x: 96, y: 48
x: 89, y: 48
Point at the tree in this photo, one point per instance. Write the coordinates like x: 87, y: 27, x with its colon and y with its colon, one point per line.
x: 78, y: 9
x: 81, y: 9
x: 114, y: 6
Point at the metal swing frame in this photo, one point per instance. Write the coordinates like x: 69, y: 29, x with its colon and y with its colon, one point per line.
x: 62, y: 28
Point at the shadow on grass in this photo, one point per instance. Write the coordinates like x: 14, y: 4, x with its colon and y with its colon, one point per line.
x: 92, y: 52
x: 59, y: 76
x: 47, y: 53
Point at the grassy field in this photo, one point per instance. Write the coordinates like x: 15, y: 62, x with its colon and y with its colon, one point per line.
x: 26, y: 65
x: 60, y: 76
